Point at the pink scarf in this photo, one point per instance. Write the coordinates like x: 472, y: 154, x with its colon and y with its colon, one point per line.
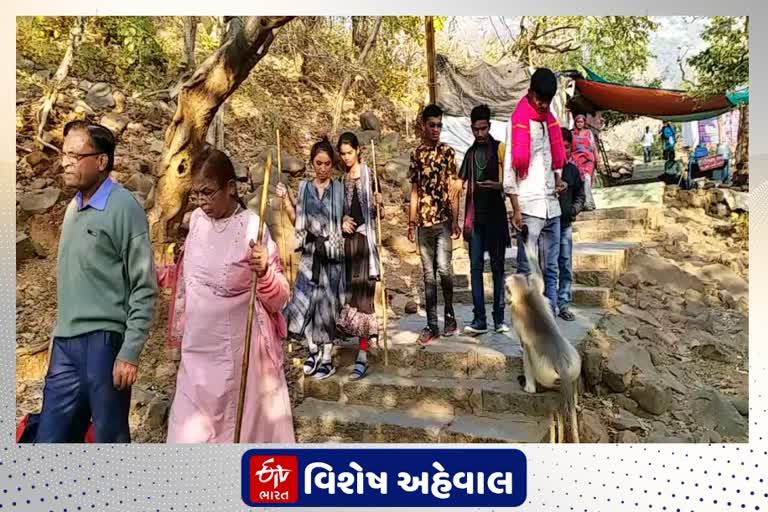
x: 521, y: 138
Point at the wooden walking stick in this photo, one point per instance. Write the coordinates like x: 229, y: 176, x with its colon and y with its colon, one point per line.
x: 381, y: 256
x: 282, y: 226
x: 251, y: 303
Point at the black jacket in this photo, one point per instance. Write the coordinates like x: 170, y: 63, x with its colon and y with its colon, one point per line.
x: 572, y: 200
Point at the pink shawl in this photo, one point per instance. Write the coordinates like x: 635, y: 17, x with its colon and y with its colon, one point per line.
x: 521, y: 137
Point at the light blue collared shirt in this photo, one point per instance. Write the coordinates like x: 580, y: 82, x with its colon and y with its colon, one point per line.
x: 99, y: 199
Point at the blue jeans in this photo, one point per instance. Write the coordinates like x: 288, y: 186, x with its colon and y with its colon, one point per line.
x: 546, y: 234
x: 646, y: 154
x: 479, y: 243
x: 79, y: 387
x: 565, y: 264
x: 436, y: 250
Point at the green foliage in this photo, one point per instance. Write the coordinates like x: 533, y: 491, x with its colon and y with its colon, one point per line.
x: 125, y: 49
x: 724, y: 64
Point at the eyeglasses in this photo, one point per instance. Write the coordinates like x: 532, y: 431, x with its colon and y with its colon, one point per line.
x: 200, y: 198
x: 79, y: 156
x: 435, y: 125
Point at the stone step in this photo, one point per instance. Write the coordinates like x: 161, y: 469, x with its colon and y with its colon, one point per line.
x: 581, y: 295
x: 318, y: 421
x: 605, y: 278
x: 596, y: 235
x: 489, y: 356
x: 610, y: 225
x: 403, y: 388
x: 625, y: 212
x: 606, y: 255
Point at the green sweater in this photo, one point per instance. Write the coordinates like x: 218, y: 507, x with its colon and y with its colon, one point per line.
x: 106, y: 274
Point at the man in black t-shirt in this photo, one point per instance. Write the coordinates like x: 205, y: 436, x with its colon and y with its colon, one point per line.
x: 485, y: 219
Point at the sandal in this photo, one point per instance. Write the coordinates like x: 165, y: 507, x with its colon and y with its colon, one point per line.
x: 311, y: 364
x: 325, y: 371
x: 359, y: 371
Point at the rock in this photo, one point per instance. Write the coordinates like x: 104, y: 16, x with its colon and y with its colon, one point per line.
x: 40, y: 200
x: 141, y: 396
x: 84, y: 85
x: 736, y: 201
x: 652, y: 398
x: 721, y: 210
x: 630, y: 280
x: 115, y: 122
x: 135, y: 127
x: 695, y: 308
x: 592, y: 429
x: 400, y: 245
x: 411, y: 308
x: 119, y: 99
x: 665, y: 439
x: 646, y: 332
x: 25, y: 249
x: 625, y: 420
x: 614, y: 324
x: 396, y: 170
x: 741, y: 403
x: 156, y: 146
x: 625, y: 402
x: 100, y: 96
x: 726, y: 279
x: 366, y: 136
x: 389, y: 142
x: 713, y: 411
x: 39, y: 184
x: 693, y: 295
x: 667, y: 379
x: 617, y: 373
x: 592, y: 366
x: 644, y: 316
x: 36, y: 158
x: 675, y: 233
x: 713, y: 348
x: 369, y: 122
x: 82, y: 107
x: 627, y: 437
x: 157, y: 412
x: 241, y: 172
x: 665, y: 271
x: 139, y: 182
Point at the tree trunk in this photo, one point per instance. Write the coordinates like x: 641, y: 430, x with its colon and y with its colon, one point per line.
x: 75, y: 37
x: 338, y: 107
x: 190, y: 34
x: 742, y: 145
x: 200, y: 97
x: 215, y: 135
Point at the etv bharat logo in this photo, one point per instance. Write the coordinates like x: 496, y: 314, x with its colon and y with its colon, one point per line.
x: 274, y: 478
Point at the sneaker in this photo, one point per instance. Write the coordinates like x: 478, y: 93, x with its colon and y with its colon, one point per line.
x: 426, y: 337
x: 325, y: 371
x: 450, y: 328
x: 476, y: 328
x: 566, y: 315
x: 311, y: 363
x: 502, y: 328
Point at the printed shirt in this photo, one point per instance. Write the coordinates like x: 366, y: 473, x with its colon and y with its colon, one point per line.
x: 432, y: 169
x: 536, y: 193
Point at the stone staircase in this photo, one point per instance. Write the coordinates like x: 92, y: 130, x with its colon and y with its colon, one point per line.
x: 465, y: 389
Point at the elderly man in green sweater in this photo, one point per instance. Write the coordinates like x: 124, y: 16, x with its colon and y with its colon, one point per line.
x: 106, y: 297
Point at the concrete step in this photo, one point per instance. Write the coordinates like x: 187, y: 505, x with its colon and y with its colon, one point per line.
x: 610, y: 225
x: 318, y: 421
x: 593, y: 235
x: 582, y: 295
x: 606, y: 278
x: 403, y: 388
x: 491, y: 356
x: 622, y: 212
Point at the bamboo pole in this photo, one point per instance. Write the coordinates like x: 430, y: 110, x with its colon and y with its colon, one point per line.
x: 251, y: 304
x: 384, y: 305
x: 429, y: 29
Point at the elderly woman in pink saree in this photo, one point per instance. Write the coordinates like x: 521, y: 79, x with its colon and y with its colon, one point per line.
x: 210, y: 313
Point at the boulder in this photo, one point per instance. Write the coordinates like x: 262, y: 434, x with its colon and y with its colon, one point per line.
x: 400, y: 245
x: 665, y: 271
x: 592, y: 429
x: 115, y: 122
x: 630, y: 280
x: 84, y: 85
x: 617, y: 373
x: 741, y: 403
x: 140, y: 183
x: 713, y: 411
x: 411, y: 308
x: 675, y: 233
x: 726, y: 279
x: 100, y: 96
x: 627, y: 437
x: 714, y: 349
x: 40, y: 200
x: 25, y: 249
x: 157, y: 412
x: 366, y: 136
x: 38, y: 159
x: 625, y: 420
x: 652, y: 398
x: 369, y: 122
x: 592, y: 366
x: 119, y: 99
x: 641, y: 315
